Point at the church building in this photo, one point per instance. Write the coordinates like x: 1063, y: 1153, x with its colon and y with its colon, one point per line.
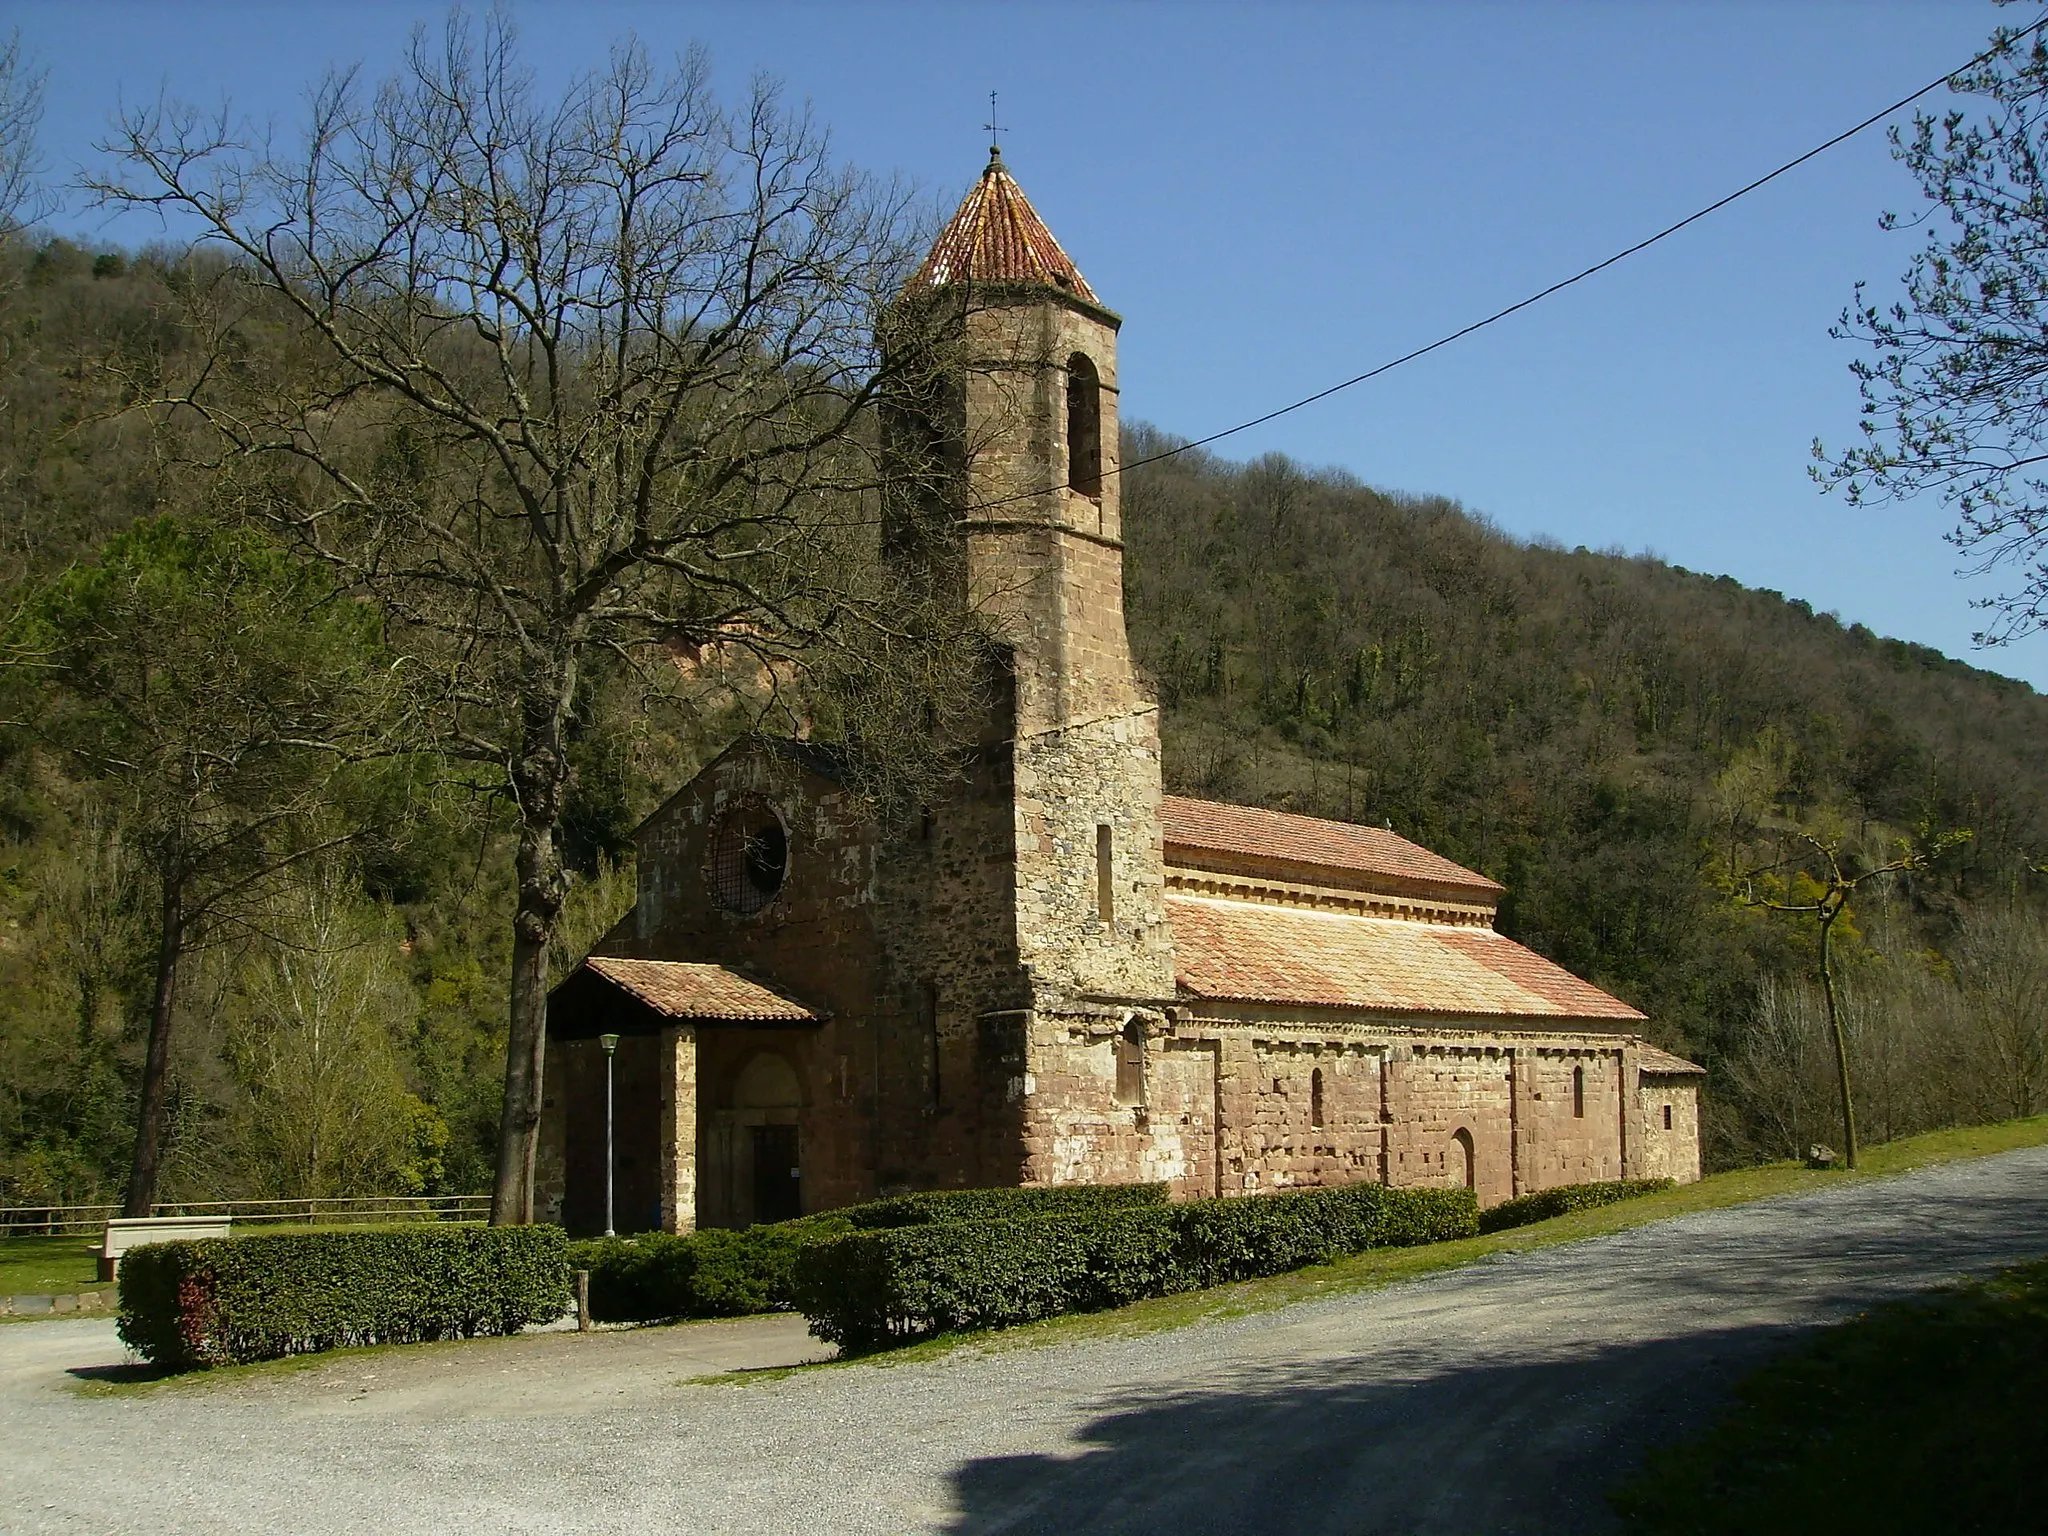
x: 1063, y: 974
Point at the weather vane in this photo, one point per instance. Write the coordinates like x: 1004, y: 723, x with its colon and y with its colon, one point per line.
x: 995, y: 145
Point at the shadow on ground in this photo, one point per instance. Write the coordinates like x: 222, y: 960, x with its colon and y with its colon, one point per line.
x: 1433, y: 1437
x: 1354, y: 1448
x: 128, y: 1374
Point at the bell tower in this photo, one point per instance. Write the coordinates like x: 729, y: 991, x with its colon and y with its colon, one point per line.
x: 1025, y: 418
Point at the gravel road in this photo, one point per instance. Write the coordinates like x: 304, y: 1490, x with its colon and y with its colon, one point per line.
x: 1502, y: 1397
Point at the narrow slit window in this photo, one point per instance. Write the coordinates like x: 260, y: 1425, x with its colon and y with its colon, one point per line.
x: 1084, y: 427
x: 1315, y: 1098
x: 1667, y: 1117
x: 929, y: 1007
x: 1105, y: 874
x: 1130, y: 1065
x: 1579, y: 1092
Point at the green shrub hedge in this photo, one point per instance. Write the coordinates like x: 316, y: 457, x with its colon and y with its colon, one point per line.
x: 931, y: 1205
x: 226, y: 1300
x: 721, y: 1273
x: 712, y: 1273
x: 867, y: 1290
x: 1546, y: 1203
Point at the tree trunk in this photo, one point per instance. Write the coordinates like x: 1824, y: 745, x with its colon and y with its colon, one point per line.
x: 149, y: 1111
x: 539, y: 779
x: 1827, y: 991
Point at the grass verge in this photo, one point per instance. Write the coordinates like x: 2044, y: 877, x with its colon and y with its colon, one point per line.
x: 48, y: 1266
x: 1386, y: 1266
x: 1917, y: 1416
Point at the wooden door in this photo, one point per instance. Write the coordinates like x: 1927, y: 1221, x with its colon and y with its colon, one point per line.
x: 778, y: 1181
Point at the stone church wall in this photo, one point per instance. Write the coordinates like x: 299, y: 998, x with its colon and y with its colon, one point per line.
x: 904, y: 953
x: 1561, y: 1144
x: 1069, y: 784
x: 1080, y: 1129
x: 1448, y: 1104
x: 1661, y: 1151
x: 1268, y: 1094
x: 1235, y: 1109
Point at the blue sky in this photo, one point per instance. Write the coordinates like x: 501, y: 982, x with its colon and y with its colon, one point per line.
x: 1277, y: 197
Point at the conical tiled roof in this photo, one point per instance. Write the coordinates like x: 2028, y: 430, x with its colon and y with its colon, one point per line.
x: 998, y: 237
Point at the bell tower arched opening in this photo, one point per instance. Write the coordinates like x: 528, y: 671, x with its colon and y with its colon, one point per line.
x: 1084, y: 427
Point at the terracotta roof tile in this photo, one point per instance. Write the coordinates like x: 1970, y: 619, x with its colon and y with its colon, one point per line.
x: 1246, y: 952
x: 1663, y: 1064
x: 690, y: 990
x: 1286, y: 838
x: 998, y: 237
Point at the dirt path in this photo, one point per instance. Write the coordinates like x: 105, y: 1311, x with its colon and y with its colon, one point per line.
x: 1502, y: 1397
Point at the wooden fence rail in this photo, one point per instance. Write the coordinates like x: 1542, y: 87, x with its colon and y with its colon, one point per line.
x: 62, y: 1220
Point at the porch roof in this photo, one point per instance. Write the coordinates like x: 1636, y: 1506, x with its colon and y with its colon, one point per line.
x: 1655, y: 1063
x: 657, y: 992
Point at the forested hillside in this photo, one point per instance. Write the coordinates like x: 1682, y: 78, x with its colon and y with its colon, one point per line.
x: 1619, y: 742
x: 1625, y: 745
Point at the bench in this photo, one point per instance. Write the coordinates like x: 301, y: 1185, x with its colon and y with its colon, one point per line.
x: 125, y: 1232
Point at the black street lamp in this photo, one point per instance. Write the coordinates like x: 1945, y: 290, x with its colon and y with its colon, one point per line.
x: 610, y: 1044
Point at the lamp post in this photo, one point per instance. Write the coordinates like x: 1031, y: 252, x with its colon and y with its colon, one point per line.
x: 610, y: 1044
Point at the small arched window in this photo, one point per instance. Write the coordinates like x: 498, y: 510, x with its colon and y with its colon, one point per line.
x: 1463, y: 1141
x: 1579, y: 1092
x: 1084, y: 427
x: 1105, y: 874
x: 1315, y: 1097
x: 1130, y: 1065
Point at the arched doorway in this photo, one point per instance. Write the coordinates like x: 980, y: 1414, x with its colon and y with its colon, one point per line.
x: 765, y: 1099
x: 1461, y: 1146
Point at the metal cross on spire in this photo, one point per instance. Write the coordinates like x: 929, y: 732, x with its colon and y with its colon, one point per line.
x: 995, y: 145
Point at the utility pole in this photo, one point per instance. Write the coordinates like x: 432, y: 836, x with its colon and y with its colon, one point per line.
x: 610, y: 1044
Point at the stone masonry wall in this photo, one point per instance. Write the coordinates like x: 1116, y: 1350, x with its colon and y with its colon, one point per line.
x: 1069, y: 784
x: 1270, y: 1136
x: 1231, y: 1107
x: 1077, y: 1131
x: 1560, y: 1145
x: 1659, y: 1152
x: 1437, y: 1092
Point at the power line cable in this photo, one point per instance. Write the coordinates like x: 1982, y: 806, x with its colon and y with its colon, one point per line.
x: 2002, y: 45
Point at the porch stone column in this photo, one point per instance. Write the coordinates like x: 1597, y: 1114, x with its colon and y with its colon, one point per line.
x: 678, y: 1151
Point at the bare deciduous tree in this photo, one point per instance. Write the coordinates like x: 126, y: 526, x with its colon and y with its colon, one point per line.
x: 1951, y: 384
x: 1826, y: 890
x: 568, y: 381
x: 316, y: 1020
x: 2001, y: 962
x: 22, y: 83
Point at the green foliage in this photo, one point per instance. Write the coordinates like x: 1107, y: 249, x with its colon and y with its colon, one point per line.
x: 871, y: 1289
x: 712, y: 1273
x: 1918, y: 1416
x: 230, y: 1300
x: 1600, y: 732
x: 1546, y: 1203
x: 1596, y: 731
x: 933, y: 1205
x: 720, y: 1273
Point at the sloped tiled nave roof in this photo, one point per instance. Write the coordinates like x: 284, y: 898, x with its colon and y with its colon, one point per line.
x: 1250, y: 952
x: 1252, y: 832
